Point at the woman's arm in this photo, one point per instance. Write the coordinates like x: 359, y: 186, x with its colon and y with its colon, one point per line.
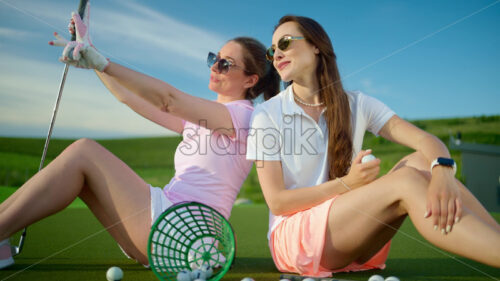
x: 283, y: 201
x: 405, y: 133
x: 443, y: 198
x: 83, y: 54
x: 140, y: 105
x: 165, y: 97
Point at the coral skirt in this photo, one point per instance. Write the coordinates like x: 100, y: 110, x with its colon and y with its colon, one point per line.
x: 297, y: 244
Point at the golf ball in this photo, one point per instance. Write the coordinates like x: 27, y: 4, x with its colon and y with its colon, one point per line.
x: 207, y: 269
x: 198, y: 274
x: 376, y: 278
x: 247, y: 279
x: 367, y: 158
x: 392, y: 278
x: 184, y: 275
x: 114, y: 274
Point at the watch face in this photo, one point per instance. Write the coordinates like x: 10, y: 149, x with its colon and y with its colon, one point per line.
x: 445, y: 161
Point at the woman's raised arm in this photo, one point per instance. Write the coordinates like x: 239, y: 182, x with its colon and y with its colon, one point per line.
x: 140, y: 105
x: 165, y: 97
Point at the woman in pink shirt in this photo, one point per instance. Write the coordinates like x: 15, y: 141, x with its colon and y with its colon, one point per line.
x: 210, y: 161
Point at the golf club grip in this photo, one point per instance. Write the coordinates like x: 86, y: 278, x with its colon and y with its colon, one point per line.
x: 81, y: 10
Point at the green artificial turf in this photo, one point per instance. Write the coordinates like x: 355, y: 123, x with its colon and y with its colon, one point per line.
x: 72, y: 245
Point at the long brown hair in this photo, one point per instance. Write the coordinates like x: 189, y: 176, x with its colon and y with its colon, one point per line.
x: 254, y: 58
x: 331, y: 92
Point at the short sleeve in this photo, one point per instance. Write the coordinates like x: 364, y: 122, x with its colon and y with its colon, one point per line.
x: 240, y: 116
x: 264, y: 141
x: 375, y: 113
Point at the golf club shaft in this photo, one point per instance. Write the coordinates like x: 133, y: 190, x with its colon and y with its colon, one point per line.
x: 54, y: 113
x: 46, y: 146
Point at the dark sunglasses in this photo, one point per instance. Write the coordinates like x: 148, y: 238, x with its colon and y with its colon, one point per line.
x: 223, y: 65
x: 283, y: 44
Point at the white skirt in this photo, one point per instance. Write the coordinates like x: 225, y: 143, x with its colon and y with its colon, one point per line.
x: 159, y: 203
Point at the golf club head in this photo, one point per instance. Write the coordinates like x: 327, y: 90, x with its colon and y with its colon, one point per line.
x: 14, y: 250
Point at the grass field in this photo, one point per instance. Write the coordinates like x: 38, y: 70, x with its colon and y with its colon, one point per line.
x: 152, y: 158
x: 73, y: 246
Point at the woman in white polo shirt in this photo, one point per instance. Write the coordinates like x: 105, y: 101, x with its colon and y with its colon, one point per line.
x: 328, y: 211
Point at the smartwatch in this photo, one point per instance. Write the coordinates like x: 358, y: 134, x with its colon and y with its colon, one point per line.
x: 445, y: 162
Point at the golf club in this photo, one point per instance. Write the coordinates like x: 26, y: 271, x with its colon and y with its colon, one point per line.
x: 81, y: 9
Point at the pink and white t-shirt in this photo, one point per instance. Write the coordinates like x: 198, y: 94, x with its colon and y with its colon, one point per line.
x: 210, y: 167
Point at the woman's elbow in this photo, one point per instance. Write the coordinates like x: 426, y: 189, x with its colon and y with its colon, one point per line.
x: 169, y: 102
x: 277, y: 208
x: 122, y: 99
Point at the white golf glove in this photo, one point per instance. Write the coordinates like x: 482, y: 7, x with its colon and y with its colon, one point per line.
x: 80, y: 53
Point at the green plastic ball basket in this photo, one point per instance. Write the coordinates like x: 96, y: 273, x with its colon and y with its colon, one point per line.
x: 188, y: 236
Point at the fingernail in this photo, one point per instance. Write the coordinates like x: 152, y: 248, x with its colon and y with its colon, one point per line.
x: 426, y: 214
x: 435, y: 227
x: 443, y: 231
x: 457, y: 219
x: 448, y: 228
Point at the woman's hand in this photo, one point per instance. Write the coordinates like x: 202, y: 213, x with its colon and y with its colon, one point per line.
x: 362, y: 173
x: 444, y: 201
x: 80, y: 53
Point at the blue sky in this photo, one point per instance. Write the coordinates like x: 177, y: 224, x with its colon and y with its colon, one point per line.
x: 425, y: 59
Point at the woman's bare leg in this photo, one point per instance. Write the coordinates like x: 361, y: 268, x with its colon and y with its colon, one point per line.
x: 115, y: 194
x: 418, y: 161
x: 363, y: 220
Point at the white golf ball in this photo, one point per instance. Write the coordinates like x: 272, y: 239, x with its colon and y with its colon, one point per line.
x: 208, y: 270
x: 367, y: 158
x: 184, y: 275
x: 376, y: 278
x: 114, y: 274
x: 198, y: 274
x: 247, y: 279
x: 392, y: 278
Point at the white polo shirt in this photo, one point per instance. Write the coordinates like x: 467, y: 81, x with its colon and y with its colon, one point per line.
x: 282, y: 131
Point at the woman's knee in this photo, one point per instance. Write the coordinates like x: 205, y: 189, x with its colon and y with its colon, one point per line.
x: 84, y: 144
x: 81, y: 147
x: 412, y: 180
x: 415, y: 160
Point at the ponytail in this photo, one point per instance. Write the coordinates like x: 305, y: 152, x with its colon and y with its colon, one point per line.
x: 256, y: 63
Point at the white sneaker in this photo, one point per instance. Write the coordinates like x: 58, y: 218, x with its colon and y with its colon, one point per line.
x: 6, y: 259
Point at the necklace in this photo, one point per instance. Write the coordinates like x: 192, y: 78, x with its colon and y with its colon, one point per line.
x: 307, y: 104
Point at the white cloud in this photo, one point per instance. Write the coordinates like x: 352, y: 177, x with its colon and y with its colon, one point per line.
x: 128, y: 32
x: 28, y: 93
x: 141, y: 35
x: 14, y: 34
x: 132, y: 33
